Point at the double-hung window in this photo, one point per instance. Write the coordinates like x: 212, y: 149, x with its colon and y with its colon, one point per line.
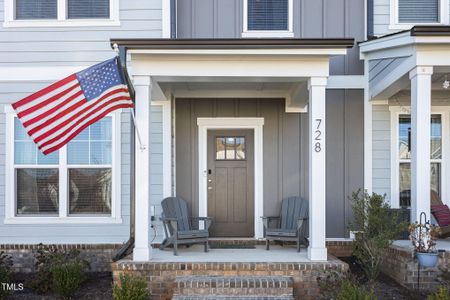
x: 61, y: 12
x: 407, y: 13
x: 268, y: 18
x: 78, y: 183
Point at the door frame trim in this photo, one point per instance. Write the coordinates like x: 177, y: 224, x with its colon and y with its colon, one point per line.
x: 204, y: 124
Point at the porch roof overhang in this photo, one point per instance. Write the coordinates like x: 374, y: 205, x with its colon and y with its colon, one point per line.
x: 270, y: 68
x: 390, y: 58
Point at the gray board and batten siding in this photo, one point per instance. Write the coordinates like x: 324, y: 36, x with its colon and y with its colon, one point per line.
x: 311, y: 19
x: 77, y: 46
x: 285, y: 155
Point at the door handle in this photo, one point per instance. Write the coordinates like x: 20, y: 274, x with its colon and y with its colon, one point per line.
x: 209, y: 187
x: 209, y: 180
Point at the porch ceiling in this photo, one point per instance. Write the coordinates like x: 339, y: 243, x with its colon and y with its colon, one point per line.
x: 392, y: 57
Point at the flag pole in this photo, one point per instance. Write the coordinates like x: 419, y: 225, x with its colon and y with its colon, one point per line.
x: 142, y: 147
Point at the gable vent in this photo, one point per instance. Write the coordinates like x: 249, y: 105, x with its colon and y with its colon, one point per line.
x: 418, y: 11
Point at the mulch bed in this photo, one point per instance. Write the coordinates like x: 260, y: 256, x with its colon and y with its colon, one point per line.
x: 97, y: 287
x: 385, y: 288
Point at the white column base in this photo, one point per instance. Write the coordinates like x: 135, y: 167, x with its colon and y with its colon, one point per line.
x: 317, y: 254
x: 142, y: 254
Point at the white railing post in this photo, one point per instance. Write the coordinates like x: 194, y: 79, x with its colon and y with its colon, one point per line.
x: 142, y: 249
x: 420, y: 140
x: 317, y: 169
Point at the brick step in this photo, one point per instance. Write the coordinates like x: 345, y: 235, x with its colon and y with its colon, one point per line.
x: 232, y: 297
x: 232, y: 286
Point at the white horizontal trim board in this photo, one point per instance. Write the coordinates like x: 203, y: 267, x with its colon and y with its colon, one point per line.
x: 232, y: 123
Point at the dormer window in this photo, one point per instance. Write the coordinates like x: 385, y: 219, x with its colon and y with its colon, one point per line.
x: 51, y: 13
x: 407, y: 13
x: 268, y: 18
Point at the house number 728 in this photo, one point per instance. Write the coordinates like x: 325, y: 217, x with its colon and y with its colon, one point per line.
x: 318, y: 136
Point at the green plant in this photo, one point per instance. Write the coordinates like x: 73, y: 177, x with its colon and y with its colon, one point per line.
x: 51, y: 261
x: 376, y: 227
x: 130, y: 288
x: 351, y: 290
x: 441, y: 294
x: 5, y: 272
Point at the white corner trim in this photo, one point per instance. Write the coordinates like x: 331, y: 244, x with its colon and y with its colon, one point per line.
x: 232, y: 123
x: 167, y: 146
x: 166, y: 18
x: 61, y: 20
x: 268, y: 33
x: 368, y: 134
x: 396, y: 111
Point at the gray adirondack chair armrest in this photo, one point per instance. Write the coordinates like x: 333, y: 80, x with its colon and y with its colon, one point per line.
x: 267, y: 220
x: 172, y: 222
x: 206, y: 220
x: 300, y: 222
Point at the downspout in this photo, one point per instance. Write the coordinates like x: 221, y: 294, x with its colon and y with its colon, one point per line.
x: 127, y: 248
x: 370, y: 25
x: 173, y: 19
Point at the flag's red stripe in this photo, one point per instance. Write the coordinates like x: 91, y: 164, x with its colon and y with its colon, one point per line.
x: 44, y: 91
x: 58, y: 116
x: 78, y: 131
x: 59, y: 136
x: 52, y: 110
x: 77, y: 115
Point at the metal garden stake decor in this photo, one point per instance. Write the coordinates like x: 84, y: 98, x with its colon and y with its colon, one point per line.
x: 423, y: 238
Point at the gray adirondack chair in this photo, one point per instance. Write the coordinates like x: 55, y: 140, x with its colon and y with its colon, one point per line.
x: 290, y: 225
x: 179, y: 227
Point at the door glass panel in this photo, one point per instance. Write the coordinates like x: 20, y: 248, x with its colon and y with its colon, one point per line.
x: 404, y: 136
x: 405, y: 184
x: 436, y: 137
x: 230, y: 148
x: 220, y: 148
x: 240, y: 148
x: 436, y: 178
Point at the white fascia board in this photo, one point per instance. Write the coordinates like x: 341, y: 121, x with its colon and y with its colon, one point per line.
x: 382, y: 43
x: 240, y: 52
x: 346, y: 82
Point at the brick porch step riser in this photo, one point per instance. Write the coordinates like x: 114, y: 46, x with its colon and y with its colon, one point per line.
x: 198, y: 297
x: 236, y: 291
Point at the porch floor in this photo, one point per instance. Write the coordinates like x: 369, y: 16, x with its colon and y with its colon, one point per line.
x: 195, y: 253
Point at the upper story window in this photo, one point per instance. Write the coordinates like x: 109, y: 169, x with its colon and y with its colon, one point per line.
x: 78, y: 183
x: 407, y: 13
x: 27, y: 13
x: 268, y: 18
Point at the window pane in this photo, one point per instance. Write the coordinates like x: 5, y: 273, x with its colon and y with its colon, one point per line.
x: 240, y: 148
x: 37, y: 191
x: 229, y: 148
x: 101, y: 153
x: 86, y: 9
x: 90, y: 191
x: 78, y: 153
x: 220, y: 148
x: 267, y: 15
x: 404, y: 137
x: 101, y: 130
x: 24, y: 153
x: 83, y: 136
x: 436, y: 178
x: 436, y: 137
x: 405, y: 184
x: 418, y: 11
x: 36, y: 9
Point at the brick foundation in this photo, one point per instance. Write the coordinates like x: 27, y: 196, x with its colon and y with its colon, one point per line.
x: 340, y: 248
x: 161, y: 275
x: 98, y: 255
x: 400, y: 264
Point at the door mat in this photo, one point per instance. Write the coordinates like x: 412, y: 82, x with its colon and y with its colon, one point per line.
x: 231, y: 246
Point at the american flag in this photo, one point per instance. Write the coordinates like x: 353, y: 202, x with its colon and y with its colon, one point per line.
x: 56, y: 114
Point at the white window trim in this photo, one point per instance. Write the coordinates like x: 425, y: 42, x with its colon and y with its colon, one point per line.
x: 396, y: 25
x: 63, y: 218
x: 268, y: 33
x: 232, y: 123
x: 396, y: 111
x: 61, y: 20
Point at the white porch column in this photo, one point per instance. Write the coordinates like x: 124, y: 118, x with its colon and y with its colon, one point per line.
x: 420, y: 138
x: 316, y: 108
x: 142, y: 249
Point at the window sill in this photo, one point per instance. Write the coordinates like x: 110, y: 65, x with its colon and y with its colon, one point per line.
x: 65, y: 220
x: 60, y: 23
x: 267, y: 34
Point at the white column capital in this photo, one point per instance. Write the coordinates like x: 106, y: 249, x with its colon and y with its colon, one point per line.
x: 420, y: 70
x: 142, y: 80
x: 317, y: 81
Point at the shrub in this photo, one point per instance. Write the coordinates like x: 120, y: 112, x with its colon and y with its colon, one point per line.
x: 5, y: 272
x: 441, y: 294
x: 58, y: 270
x: 339, y: 286
x: 130, y: 288
x: 376, y: 228
x: 351, y: 290
x: 67, y: 277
